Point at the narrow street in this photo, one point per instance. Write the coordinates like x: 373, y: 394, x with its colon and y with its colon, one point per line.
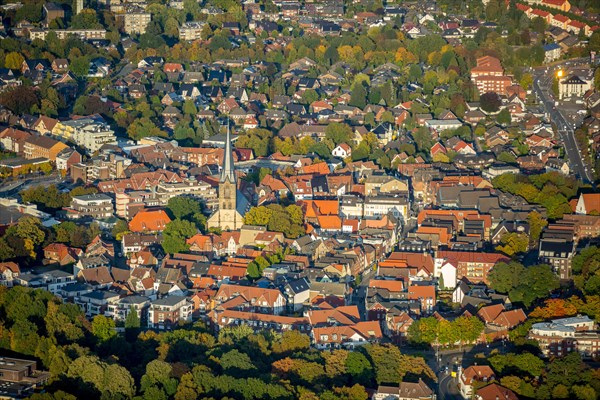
x: 566, y: 129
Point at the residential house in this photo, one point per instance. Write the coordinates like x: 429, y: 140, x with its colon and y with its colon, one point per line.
x: 470, y: 375
x: 406, y: 391
x: 495, y: 392
x: 149, y: 221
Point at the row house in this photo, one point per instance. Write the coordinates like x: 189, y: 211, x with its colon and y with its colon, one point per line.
x: 375, y: 207
x: 204, y: 191
x: 346, y: 336
x: 140, y: 181
x: 406, y: 391
x: 472, y: 377
x: 13, y: 140
x: 461, y: 217
x: 83, y: 34
x: 42, y: 147
x: 475, y: 266
x: 254, y: 299
x: 497, y: 317
x: 99, y: 168
x: 256, y: 321
x: 135, y: 242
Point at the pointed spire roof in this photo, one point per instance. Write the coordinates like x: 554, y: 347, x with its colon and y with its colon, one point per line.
x: 228, y: 171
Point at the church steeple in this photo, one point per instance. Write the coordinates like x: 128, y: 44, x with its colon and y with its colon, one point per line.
x: 228, y: 170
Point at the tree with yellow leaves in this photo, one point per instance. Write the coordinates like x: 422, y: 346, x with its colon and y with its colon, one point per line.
x: 405, y: 57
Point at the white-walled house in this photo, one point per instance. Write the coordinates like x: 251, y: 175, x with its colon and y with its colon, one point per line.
x: 342, y: 150
x: 446, y: 271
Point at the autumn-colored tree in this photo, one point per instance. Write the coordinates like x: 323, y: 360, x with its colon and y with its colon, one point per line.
x: 554, y: 308
x: 13, y: 60
x: 513, y: 243
x: 405, y: 57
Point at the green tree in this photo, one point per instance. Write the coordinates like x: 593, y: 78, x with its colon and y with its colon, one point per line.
x: 132, y: 324
x: 103, y: 328
x: 132, y: 321
x: 538, y: 24
x: 523, y: 363
x: 112, y: 380
x: 359, y: 368
x: 80, y: 66
x: 31, y: 12
x: 503, y: 117
x: 258, y: 140
x: 258, y: 216
x: 86, y: 19
x: 29, y: 229
x: 359, y: 96
x: 338, y: 133
x: 175, y: 235
x: 143, y: 127
x: 120, y: 228
x: 235, y: 360
x: 183, y: 207
x: 504, y: 277
x: 189, y: 108
x: 423, y: 139
x: 424, y: 331
x: 309, y: 96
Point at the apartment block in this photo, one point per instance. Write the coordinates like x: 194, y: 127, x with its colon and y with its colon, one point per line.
x: 135, y: 22
x: 86, y: 132
x: 83, y: 34
x: 120, y: 309
x: 191, y: 30
x: 167, y: 312
x: 97, y: 206
x: 561, y: 336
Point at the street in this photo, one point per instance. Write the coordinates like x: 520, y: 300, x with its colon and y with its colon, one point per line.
x: 566, y: 129
x: 448, y: 387
x: 454, y: 358
x: 10, y: 188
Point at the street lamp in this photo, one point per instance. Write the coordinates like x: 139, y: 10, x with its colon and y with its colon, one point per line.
x: 560, y: 73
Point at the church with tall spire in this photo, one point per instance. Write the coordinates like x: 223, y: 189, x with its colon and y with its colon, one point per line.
x: 232, y: 206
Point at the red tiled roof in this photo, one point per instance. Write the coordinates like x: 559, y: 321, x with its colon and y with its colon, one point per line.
x: 149, y: 221
x: 490, y: 313
x: 9, y: 265
x: 495, y: 391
